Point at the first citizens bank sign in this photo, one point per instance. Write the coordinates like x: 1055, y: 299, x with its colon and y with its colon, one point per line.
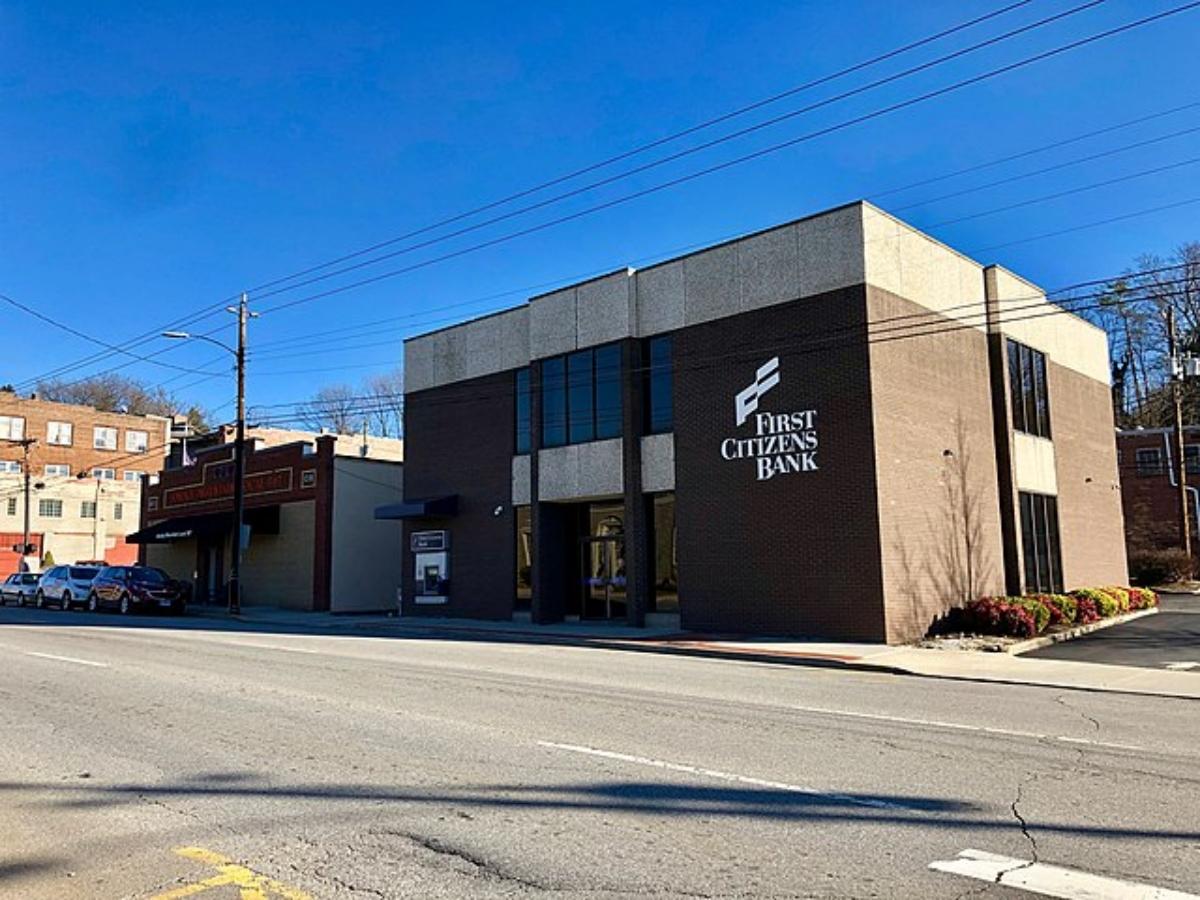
x: 782, y: 443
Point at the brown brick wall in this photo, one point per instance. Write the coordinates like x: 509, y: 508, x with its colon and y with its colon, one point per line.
x: 935, y: 464
x: 81, y: 456
x: 799, y: 553
x: 1149, y: 501
x: 1090, y: 521
x: 459, y: 440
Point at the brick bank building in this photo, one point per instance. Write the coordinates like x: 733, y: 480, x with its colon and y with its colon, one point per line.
x: 838, y: 427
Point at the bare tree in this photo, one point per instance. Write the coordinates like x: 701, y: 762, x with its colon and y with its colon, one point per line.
x: 385, y: 395
x: 334, y: 408
x: 119, y: 393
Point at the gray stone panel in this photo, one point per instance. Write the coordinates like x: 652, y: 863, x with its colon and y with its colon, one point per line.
x: 521, y: 470
x: 603, y: 310
x: 449, y: 356
x: 580, y: 471
x: 710, y: 284
x: 659, y: 299
x: 553, y: 324
x: 831, y: 251
x: 511, y: 332
x: 768, y: 268
x: 658, y: 463
x: 418, y: 364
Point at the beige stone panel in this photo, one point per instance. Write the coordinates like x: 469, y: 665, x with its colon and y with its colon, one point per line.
x: 768, y: 268
x: 658, y: 463
x: 910, y: 264
x: 1033, y: 464
x: 521, y: 486
x: 659, y: 299
x: 367, y: 552
x: 1028, y: 317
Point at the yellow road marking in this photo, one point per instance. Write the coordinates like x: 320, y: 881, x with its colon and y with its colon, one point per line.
x: 250, y: 884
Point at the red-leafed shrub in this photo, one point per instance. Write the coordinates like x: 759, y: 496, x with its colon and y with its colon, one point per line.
x: 1086, y: 611
x: 1000, y: 616
x: 1063, y: 609
x: 1142, y: 598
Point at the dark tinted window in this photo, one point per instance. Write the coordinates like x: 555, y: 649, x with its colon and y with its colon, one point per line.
x: 554, y: 402
x: 660, y: 401
x: 1040, y: 545
x: 30, y: 578
x: 608, y: 391
x: 581, y: 408
x: 1029, y: 390
x: 524, y: 422
x: 83, y: 573
x: 150, y: 576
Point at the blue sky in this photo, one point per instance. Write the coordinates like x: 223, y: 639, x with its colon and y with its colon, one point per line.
x: 159, y: 158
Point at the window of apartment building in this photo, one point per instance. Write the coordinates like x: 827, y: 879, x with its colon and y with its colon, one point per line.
x: 1027, y: 382
x: 1191, y: 458
x: 87, y: 509
x: 105, y: 474
x: 137, y: 441
x: 660, y: 400
x: 50, y: 509
x: 10, y: 465
x: 524, y: 573
x: 58, y: 470
x: 581, y: 396
x: 12, y: 506
x: 1039, y: 543
x: 118, y: 511
x: 1149, y: 461
x: 524, y: 405
x: 104, y: 438
x: 131, y: 475
x: 59, y: 433
x: 12, y: 428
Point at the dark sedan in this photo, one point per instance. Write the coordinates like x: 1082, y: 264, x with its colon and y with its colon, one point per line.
x: 129, y: 588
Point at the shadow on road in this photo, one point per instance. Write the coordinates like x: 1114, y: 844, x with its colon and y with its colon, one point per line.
x: 604, y: 797
x: 20, y: 869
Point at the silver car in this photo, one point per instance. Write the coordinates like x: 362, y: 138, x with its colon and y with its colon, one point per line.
x: 19, y: 588
x: 65, y: 586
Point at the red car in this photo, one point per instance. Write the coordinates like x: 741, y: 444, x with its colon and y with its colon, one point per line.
x: 129, y: 588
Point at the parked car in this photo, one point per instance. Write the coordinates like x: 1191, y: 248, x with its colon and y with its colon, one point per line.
x: 65, y: 585
x: 19, y: 588
x: 128, y: 588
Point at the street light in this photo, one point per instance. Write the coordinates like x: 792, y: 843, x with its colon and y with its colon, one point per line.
x: 239, y: 445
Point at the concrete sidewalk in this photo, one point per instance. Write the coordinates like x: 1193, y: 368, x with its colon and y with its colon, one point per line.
x: 960, y: 665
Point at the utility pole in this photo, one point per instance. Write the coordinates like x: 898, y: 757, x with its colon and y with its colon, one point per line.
x: 239, y: 465
x: 1185, y: 529
x: 26, y: 443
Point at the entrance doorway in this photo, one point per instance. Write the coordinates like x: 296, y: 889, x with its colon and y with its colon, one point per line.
x: 602, y: 558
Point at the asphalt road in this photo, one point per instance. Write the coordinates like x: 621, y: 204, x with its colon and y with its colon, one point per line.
x: 1168, y: 639
x: 143, y: 761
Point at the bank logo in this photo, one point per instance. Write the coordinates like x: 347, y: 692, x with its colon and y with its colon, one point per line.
x: 765, y: 378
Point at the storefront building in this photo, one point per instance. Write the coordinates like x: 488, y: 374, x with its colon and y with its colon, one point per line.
x: 312, y: 541
x: 838, y: 427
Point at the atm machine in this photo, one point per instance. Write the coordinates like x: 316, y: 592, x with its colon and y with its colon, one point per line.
x: 431, y: 566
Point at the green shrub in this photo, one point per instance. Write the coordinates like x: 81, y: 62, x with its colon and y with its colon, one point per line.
x: 1036, y: 608
x: 1063, y: 609
x: 1142, y: 598
x: 1120, y: 595
x: 1106, y: 604
x: 1150, y: 567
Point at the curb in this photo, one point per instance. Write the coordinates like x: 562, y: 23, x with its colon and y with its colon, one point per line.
x: 1047, y: 640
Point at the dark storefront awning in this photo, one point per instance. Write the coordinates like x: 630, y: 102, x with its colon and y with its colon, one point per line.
x: 419, y: 509
x: 262, y: 520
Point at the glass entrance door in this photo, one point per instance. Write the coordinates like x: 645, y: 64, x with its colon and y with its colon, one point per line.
x: 603, y: 567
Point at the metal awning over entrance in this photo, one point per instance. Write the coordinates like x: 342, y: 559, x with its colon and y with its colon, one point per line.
x: 433, y: 507
x: 262, y: 520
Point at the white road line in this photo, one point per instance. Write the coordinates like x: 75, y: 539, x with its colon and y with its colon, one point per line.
x: 1050, y: 881
x: 268, y: 647
x: 1182, y: 666
x: 960, y: 726
x: 718, y: 774
x: 69, y: 659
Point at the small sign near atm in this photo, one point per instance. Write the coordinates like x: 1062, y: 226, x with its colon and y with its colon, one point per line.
x: 425, y: 541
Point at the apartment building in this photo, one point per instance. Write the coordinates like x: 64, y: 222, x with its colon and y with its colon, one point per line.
x: 86, y: 469
x: 1149, y: 486
x: 838, y: 427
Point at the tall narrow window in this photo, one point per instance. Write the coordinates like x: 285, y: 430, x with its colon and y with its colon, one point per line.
x: 660, y: 401
x: 608, y: 391
x: 554, y: 402
x: 581, y: 408
x: 1029, y: 389
x: 666, y: 570
x: 1040, y: 543
x: 524, y: 412
x: 524, y: 558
